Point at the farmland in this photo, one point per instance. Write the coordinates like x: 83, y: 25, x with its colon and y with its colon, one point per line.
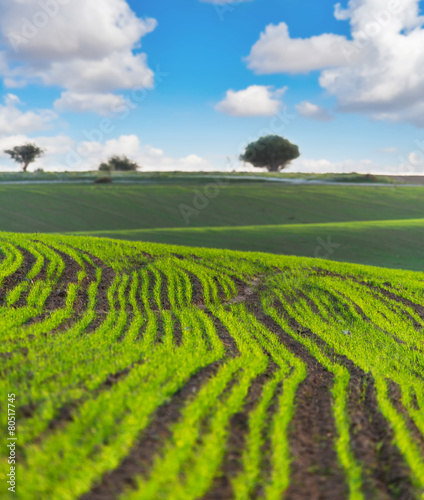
x: 395, y: 244
x: 374, y: 225
x: 79, y: 207
x: 147, y: 371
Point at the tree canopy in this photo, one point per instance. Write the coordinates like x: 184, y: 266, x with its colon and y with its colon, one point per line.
x: 25, y: 154
x: 272, y: 152
x: 119, y: 164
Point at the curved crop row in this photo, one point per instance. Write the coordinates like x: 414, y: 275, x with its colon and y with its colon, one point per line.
x: 240, y: 353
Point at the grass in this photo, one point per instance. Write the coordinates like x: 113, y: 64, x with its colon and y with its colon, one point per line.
x: 141, y: 322
x: 89, y: 208
x: 391, y: 243
x: 141, y: 176
x: 374, y: 225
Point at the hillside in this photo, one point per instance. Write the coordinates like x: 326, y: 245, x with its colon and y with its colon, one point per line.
x: 89, y: 207
x: 394, y: 244
x: 373, y: 225
x: 150, y: 371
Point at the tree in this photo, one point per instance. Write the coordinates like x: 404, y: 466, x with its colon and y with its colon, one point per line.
x: 272, y: 152
x: 119, y: 164
x: 25, y: 154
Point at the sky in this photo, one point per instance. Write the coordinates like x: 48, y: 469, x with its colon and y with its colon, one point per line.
x: 187, y: 85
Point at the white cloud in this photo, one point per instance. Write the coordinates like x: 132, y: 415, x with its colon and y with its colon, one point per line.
x: 276, y: 52
x: 14, y: 121
x: 256, y: 100
x: 88, y: 155
x: 64, y: 153
x: 3, y: 62
x: 102, y: 104
x: 83, y: 46
x: 378, y: 72
x: 313, y: 111
x: 308, y: 165
x: 55, y: 148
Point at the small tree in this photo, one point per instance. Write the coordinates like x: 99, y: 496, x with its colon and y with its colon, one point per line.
x: 118, y: 164
x: 25, y: 154
x: 272, y: 152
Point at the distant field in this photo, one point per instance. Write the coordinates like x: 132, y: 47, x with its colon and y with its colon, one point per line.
x: 142, y: 176
x: 244, y: 215
x: 89, y: 207
x: 137, y: 371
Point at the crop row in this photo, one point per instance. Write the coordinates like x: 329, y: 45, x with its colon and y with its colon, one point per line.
x: 98, y: 335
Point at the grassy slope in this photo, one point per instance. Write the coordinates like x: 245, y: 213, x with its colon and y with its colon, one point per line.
x: 395, y: 244
x: 244, y: 216
x: 53, y: 208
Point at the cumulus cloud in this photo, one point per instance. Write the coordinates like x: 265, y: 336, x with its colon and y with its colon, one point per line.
x: 256, y: 100
x: 321, y: 166
x: 15, y: 121
x: 88, y: 155
x: 314, y: 112
x: 64, y: 153
x: 276, y: 52
x: 55, y: 147
x: 377, y: 72
x: 62, y: 47
x: 102, y: 104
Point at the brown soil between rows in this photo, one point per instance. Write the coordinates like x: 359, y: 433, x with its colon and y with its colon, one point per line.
x: 13, y: 279
x: 221, y: 487
x: 69, y: 275
x: 57, y: 299
x: 102, y: 302
x: 418, y: 308
x: 67, y: 411
x: 395, y: 395
x: 140, y: 458
x: 386, y: 474
x: 164, y: 294
x: 315, y: 471
x: 231, y: 349
x: 197, y: 294
x: 20, y: 274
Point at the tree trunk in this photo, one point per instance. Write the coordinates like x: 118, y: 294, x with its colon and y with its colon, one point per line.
x: 273, y: 168
x: 26, y: 164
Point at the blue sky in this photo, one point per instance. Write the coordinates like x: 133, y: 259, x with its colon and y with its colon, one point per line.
x: 186, y: 85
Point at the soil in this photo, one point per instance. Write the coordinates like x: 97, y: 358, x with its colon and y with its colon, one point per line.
x: 315, y: 470
x: 140, y: 458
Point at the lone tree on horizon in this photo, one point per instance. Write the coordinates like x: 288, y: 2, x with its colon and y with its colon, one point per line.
x: 118, y: 164
x: 272, y: 152
x: 25, y: 154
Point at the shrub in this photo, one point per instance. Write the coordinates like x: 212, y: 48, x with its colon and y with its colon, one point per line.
x: 118, y: 164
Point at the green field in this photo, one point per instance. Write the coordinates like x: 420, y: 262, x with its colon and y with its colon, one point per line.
x: 395, y: 244
x: 375, y: 225
x: 80, y: 207
x: 146, y: 371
